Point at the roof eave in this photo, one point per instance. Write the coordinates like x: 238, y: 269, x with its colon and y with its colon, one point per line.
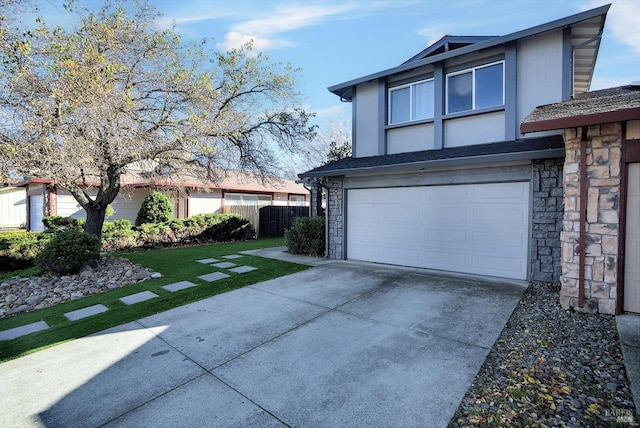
x: 582, y: 120
x: 422, y: 165
x: 343, y: 88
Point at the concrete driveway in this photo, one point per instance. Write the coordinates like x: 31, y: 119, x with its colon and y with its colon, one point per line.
x: 341, y: 344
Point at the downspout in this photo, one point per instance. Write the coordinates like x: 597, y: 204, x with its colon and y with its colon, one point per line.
x: 583, y: 215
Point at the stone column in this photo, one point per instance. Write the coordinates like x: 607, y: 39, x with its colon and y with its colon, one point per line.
x: 335, y: 218
x: 603, y: 194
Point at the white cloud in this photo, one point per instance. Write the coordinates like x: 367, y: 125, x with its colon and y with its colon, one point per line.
x: 279, y: 20
x: 435, y: 32
x: 622, y: 20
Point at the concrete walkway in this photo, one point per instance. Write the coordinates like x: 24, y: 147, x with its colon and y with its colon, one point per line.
x: 341, y: 344
x: 629, y: 332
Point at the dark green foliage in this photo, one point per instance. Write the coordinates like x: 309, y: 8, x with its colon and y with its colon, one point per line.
x: 197, y: 229
x: 156, y: 208
x: 18, y: 249
x: 56, y: 223
x: 306, y: 236
x: 231, y: 228
x: 68, y: 251
x: 118, y: 234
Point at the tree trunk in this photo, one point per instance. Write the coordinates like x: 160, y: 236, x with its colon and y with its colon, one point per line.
x: 95, y: 219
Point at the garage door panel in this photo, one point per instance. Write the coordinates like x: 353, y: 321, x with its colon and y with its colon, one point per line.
x: 498, y: 239
x: 440, y: 236
x: 393, y: 215
x: 496, y: 266
x: 400, y: 254
x: 474, y: 228
x: 402, y: 234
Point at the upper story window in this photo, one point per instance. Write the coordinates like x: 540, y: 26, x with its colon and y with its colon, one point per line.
x: 411, y: 102
x: 476, y: 88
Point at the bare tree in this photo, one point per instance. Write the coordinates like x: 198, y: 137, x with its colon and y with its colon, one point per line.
x: 81, y: 107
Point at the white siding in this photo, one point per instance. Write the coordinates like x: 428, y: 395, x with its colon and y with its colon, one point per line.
x: 476, y: 129
x: 125, y: 206
x: 13, y: 207
x: 365, y: 141
x: 632, y: 242
x: 539, y: 72
x: 410, y: 139
x: 201, y: 202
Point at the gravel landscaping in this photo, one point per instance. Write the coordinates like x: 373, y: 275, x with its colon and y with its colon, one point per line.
x: 19, y: 295
x: 551, y: 367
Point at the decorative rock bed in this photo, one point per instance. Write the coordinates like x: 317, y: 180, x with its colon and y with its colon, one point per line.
x: 27, y: 294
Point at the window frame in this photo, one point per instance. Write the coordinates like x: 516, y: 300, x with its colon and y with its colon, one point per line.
x: 260, y: 201
x: 297, y: 200
x: 472, y: 70
x: 409, y: 85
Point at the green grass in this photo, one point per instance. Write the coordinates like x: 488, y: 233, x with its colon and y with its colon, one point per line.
x: 175, y: 265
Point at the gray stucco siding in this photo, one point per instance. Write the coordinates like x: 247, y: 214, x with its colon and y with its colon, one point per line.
x: 367, y: 119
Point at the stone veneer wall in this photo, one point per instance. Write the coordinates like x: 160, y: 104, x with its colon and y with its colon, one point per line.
x: 334, y: 215
x: 603, y: 195
x: 546, y: 251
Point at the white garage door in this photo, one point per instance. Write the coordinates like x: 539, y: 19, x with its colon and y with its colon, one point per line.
x: 473, y: 228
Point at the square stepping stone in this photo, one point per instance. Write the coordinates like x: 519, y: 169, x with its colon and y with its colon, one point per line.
x: 85, y: 312
x: 210, y: 277
x: 206, y: 261
x: 23, y: 330
x: 138, y: 297
x: 177, y: 286
x: 224, y: 265
x: 232, y: 256
x: 243, y: 269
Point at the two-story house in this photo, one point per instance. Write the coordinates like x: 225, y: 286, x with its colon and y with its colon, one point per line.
x: 441, y: 176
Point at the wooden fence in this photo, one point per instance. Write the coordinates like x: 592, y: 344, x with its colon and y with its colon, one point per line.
x: 269, y: 221
x: 249, y: 212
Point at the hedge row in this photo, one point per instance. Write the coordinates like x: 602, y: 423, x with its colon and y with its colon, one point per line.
x: 18, y: 249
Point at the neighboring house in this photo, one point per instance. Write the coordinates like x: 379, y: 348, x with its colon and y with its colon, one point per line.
x: 34, y: 198
x: 601, y: 229
x: 441, y: 176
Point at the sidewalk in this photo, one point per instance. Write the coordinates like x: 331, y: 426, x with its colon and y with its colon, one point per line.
x: 629, y: 332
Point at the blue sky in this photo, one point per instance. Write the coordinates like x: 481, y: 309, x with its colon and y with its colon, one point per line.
x: 334, y: 41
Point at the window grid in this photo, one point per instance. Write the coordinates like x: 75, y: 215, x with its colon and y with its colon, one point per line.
x: 411, y: 103
x: 473, y: 84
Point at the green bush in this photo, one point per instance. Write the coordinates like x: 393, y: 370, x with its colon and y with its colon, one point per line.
x: 18, y: 249
x: 226, y: 228
x: 156, y: 208
x: 306, y: 236
x: 56, y: 223
x: 68, y: 251
x: 118, y: 234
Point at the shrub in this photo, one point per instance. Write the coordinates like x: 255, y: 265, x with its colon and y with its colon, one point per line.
x: 306, y: 236
x: 68, y: 251
x: 18, y: 249
x: 156, y: 208
x: 226, y: 228
x: 56, y: 223
x: 118, y: 234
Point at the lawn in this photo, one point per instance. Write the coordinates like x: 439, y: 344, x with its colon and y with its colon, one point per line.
x: 177, y: 264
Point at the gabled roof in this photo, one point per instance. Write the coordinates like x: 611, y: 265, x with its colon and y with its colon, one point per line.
x: 591, y: 108
x: 446, y: 44
x: 586, y: 29
x: 529, y: 148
